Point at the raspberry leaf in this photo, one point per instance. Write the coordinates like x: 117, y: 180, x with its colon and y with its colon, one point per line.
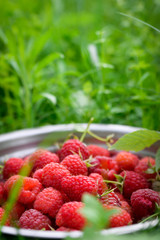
x: 136, y: 141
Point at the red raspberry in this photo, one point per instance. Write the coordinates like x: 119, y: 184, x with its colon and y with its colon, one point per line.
x: 111, y: 199
x: 2, y: 212
x: 120, y: 218
x: 49, y: 201
x: 126, y: 160
x: 38, y: 174
x: 111, y: 175
x: 143, y: 202
x: 53, y: 173
x: 107, y: 163
x: 12, y: 167
x: 102, y: 187
x: 69, y: 216
x: 41, y: 158
x: 95, y: 150
x: 132, y: 182
x: 125, y: 205
x: 120, y: 196
x: 143, y: 165
x: 75, y: 165
x: 73, y: 146
x: 33, y: 219
x: 95, y: 168
x: 76, y: 186
x: 30, y: 188
x: 65, y: 197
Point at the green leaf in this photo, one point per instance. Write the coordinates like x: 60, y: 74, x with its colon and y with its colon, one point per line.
x: 158, y: 160
x: 95, y: 213
x: 136, y: 141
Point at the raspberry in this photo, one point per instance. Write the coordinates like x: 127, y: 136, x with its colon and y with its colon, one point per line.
x: 125, y: 205
x: 42, y: 157
x: 95, y: 166
x: 49, y: 201
x: 107, y: 162
x: 120, y: 196
x: 143, y: 202
x: 53, y: 173
x: 12, y: 167
x: 143, y: 165
x: 111, y: 199
x: 2, y: 212
x: 76, y: 186
x: 38, y: 174
x: 95, y: 150
x: 30, y: 188
x: 132, y: 182
x: 69, y: 216
x: 126, y: 160
x: 33, y: 219
x: 73, y: 146
x: 75, y: 165
x: 120, y: 218
x: 65, y: 197
x: 102, y: 187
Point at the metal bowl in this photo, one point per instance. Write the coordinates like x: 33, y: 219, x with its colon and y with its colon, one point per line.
x: 23, y: 142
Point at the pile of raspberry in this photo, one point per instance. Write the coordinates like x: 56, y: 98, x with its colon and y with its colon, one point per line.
x: 51, y: 196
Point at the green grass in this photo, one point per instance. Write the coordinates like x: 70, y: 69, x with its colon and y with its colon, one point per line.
x: 65, y: 61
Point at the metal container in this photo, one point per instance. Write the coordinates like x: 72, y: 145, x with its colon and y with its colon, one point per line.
x: 23, y: 142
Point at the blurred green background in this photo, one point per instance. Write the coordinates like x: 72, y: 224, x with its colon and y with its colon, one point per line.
x: 64, y: 61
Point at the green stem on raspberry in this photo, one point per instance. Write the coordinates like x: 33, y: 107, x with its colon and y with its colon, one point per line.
x: 107, y: 192
x: 87, y: 129
x: 97, y: 137
x: 114, y: 182
x: 150, y: 217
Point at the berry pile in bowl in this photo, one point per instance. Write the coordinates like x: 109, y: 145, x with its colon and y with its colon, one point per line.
x: 50, y: 197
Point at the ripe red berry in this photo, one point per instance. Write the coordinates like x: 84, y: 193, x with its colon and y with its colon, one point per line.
x: 76, y: 186
x: 125, y: 205
x: 95, y: 150
x: 12, y: 167
x: 69, y: 216
x: 75, y: 165
x: 126, y: 160
x: 49, y: 201
x: 120, y: 218
x: 38, y: 174
x: 111, y: 199
x: 33, y: 219
x: 42, y: 157
x: 102, y: 187
x: 144, y: 164
x: 73, y: 146
x: 53, y: 173
x: 132, y: 182
x: 28, y: 191
x: 143, y: 202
